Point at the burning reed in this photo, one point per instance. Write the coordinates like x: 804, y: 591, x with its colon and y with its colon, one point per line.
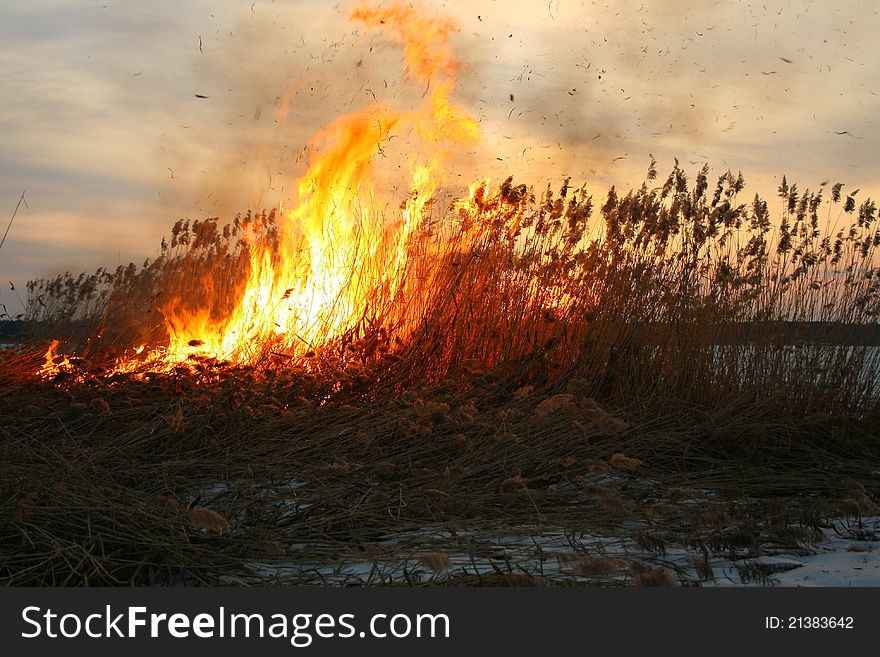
x: 367, y: 379
x: 670, y: 293
x: 674, y: 291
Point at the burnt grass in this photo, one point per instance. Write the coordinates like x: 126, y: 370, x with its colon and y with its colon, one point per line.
x: 228, y: 475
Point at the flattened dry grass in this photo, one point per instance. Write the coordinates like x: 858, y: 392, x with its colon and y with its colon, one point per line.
x: 200, y: 478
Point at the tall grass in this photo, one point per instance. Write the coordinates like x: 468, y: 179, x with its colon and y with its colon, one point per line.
x: 673, y: 291
x: 542, y: 365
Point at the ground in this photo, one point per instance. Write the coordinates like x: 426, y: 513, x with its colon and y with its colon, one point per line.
x: 238, y: 475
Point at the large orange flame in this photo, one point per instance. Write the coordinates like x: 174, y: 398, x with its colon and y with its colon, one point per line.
x: 338, y: 254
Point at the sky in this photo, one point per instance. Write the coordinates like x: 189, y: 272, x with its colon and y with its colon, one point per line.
x: 103, y: 129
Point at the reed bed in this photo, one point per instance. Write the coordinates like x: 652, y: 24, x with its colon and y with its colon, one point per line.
x: 539, y: 371
x: 672, y: 291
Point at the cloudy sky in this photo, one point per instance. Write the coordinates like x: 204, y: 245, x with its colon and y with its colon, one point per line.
x: 101, y: 126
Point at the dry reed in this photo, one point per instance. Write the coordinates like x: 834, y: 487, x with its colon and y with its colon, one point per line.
x: 633, y: 376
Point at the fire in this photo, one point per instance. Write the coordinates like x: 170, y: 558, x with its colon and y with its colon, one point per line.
x: 54, y: 363
x: 339, y: 256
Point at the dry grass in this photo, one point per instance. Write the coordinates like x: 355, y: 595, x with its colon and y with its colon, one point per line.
x: 544, y: 372
x: 673, y: 293
x: 201, y: 477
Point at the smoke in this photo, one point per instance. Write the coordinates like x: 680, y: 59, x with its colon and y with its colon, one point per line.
x: 591, y: 89
x: 582, y: 89
x: 271, y: 85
